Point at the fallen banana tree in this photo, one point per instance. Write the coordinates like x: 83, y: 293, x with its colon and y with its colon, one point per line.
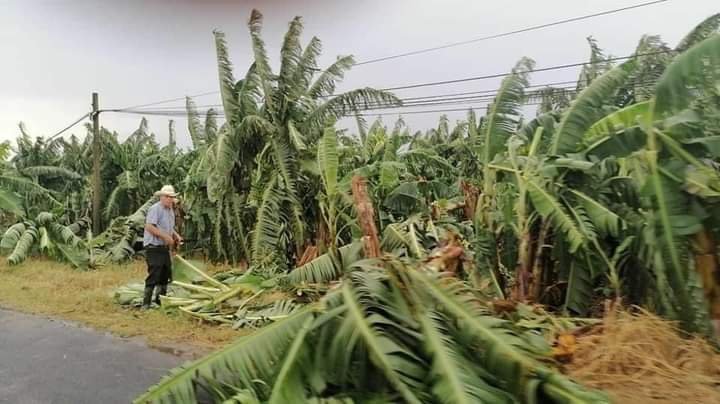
x: 240, y: 300
x: 392, y: 330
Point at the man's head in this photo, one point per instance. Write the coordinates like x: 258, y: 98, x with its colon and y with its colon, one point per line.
x: 167, y: 196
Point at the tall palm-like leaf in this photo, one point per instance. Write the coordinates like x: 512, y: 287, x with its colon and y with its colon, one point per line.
x: 324, y: 268
x: 454, y: 382
x: 194, y: 125
x: 12, y: 235
x: 242, y: 362
x: 504, y: 113
x: 10, y: 202
x: 267, y: 231
x: 688, y: 74
x: 23, y: 246
x: 505, y: 355
x: 551, y: 208
x: 702, y: 31
x: 586, y: 109
x: 502, y: 120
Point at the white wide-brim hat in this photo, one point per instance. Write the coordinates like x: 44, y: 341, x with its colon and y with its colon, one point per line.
x: 167, y: 190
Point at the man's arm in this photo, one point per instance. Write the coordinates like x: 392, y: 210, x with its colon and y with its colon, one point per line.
x: 155, y: 231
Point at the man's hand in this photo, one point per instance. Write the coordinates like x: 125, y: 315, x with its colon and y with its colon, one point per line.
x: 170, y: 241
x: 178, y: 239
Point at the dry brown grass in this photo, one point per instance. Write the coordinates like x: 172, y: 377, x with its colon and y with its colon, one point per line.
x: 52, y: 289
x: 639, y: 358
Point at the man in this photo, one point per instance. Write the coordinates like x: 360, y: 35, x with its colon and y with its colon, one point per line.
x: 159, y: 239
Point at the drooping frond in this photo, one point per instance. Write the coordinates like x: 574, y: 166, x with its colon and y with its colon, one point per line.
x: 323, y: 268
x: 194, y: 125
x: 289, y: 385
x: 580, y: 286
x: 505, y: 355
x: 652, y: 56
x: 243, y: 362
x: 587, y: 109
x: 380, y: 347
x: 702, y: 31
x: 249, y: 92
x: 549, y: 207
x: 262, y: 64
x: 65, y: 234
x: 226, y: 153
x: 326, y: 81
x: 290, y: 54
x: 10, y: 202
x: 328, y: 163
x: 23, y: 246
x: 210, y: 126
x: 227, y: 81
x: 674, y: 225
x: 504, y: 113
x: 602, y: 217
x: 77, y: 257
x: 453, y: 381
x: 51, y: 171
x: 307, y: 66
x: 266, y: 234
x: 621, y: 119
x: 25, y: 186
x: 346, y: 103
x: 12, y: 235
x: 687, y: 76
x: 44, y: 218
x: 171, y: 136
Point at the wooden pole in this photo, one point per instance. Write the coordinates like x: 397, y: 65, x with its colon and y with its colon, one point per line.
x: 96, y: 153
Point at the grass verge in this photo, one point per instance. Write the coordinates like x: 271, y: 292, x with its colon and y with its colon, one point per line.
x: 48, y: 288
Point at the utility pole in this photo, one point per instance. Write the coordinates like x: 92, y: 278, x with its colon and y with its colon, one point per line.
x: 96, y: 185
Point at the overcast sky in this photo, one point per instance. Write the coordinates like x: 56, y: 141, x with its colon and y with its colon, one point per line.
x: 56, y: 53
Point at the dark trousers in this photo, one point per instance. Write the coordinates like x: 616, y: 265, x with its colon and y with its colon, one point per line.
x: 159, y: 266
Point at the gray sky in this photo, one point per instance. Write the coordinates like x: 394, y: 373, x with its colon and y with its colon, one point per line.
x: 55, y: 53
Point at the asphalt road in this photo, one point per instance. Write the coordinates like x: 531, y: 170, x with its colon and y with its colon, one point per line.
x: 51, y: 361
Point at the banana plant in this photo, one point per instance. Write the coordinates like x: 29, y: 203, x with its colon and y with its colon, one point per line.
x: 46, y: 235
x: 389, y: 333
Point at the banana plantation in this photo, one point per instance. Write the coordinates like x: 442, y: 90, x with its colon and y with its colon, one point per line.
x: 404, y: 265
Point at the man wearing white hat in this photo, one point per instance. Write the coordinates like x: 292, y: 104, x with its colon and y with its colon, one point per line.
x: 158, y: 239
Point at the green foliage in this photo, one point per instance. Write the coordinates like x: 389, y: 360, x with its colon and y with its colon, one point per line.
x: 586, y: 109
x: 601, y: 195
x: 691, y: 72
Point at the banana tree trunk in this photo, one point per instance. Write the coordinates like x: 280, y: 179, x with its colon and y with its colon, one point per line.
x: 322, y: 238
x: 706, y: 264
x: 536, y: 281
x: 366, y: 217
x: 524, y: 266
x: 470, y: 194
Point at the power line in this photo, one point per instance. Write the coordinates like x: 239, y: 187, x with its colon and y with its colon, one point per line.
x: 166, y: 101
x: 497, y: 75
x: 504, y: 34
x: 532, y: 28
x: 419, y: 101
x: 485, y: 100
x: 69, y: 126
x: 406, y: 98
x: 489, y: 97
x: 466, y: 79
x: 434, y: 110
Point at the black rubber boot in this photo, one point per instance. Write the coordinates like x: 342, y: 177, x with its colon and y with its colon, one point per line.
x: 147, y: 297
x: 161, y: 291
